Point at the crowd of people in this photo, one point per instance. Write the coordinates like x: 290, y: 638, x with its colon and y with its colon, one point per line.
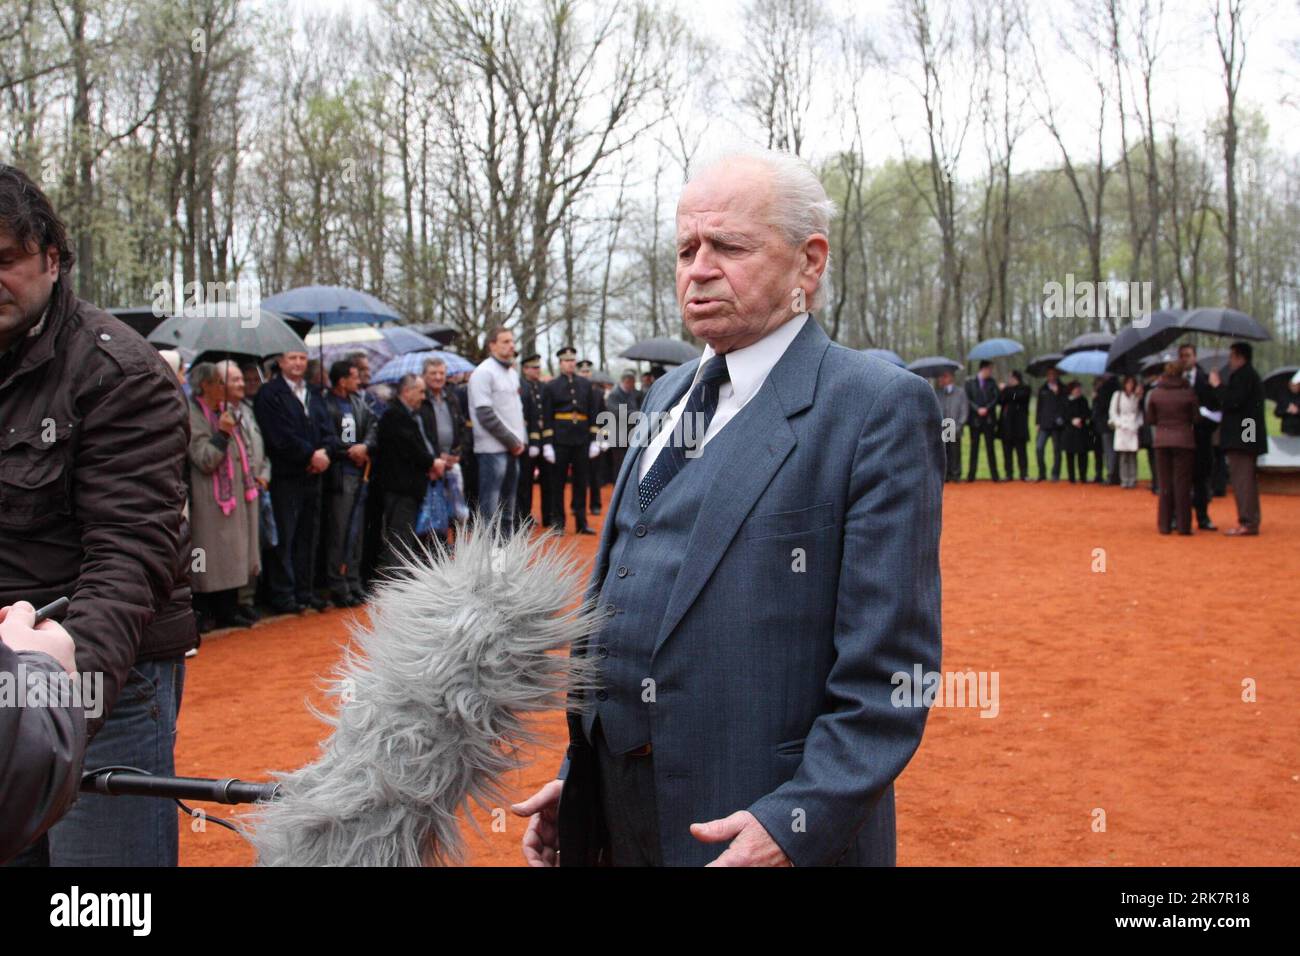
x: 1201, y: 431
x: 303, y: 485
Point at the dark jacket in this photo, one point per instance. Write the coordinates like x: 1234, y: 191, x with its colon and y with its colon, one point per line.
x: 982, y: 395
x: 1290, y: 420
x: 404, y: 461
x: 1077, y: 438
x: 41, y: 754
x: 1242, y: 399
x: 291, y: 434
x: 457, y: 423
x: 1208, y: 397
x: 1051, y: 407
x: 1013, y: 419
x: 93, y: 433
x: 328, y: 419
x: 1171, y: 412
x: 1101, y: 406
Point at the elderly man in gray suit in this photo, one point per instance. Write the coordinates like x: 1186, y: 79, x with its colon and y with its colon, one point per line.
x: 764, y: 584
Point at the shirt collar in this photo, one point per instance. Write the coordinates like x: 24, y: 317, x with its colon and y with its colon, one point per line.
x: 749, y: 367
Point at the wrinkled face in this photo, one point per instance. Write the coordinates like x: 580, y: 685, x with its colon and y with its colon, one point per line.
x: 234, y: 386
x: 27, y: 277
x: 293, y: 365
x: 435, y: 378
x: 503, y: 348
x: 737, y: 275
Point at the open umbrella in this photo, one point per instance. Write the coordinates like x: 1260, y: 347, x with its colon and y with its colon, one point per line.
x: 220, y: 328
x: 1089, y: 341
x: 601, y: 377
x: 445, y: 334
x: 332, y: 305
x: 1277, y: 383
x: 662, y: 351
x: 1092, y: 362
x: 932, y: 366
x: 886, y: 355
x: 1039, y: 364
x: 1227, y: 322
x: 994, y: 348
x: 412, y: 363
x: 1135, y: 342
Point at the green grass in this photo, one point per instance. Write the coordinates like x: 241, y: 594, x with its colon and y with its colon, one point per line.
x: 1144, y: 471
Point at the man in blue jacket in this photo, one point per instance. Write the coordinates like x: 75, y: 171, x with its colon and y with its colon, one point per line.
x: 769, y: 565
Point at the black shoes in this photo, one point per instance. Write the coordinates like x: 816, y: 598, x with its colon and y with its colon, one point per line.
x: 585, y: 531
x: 595, y: 509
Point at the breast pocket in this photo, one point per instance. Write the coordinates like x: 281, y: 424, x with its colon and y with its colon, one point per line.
x: 34, y: 477
x: 776, y: 523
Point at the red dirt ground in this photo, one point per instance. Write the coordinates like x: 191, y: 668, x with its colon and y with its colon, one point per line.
x: 1120, y: 691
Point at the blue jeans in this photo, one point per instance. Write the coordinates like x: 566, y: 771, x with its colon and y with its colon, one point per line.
x: 140, y: 732
x: 498, y: 481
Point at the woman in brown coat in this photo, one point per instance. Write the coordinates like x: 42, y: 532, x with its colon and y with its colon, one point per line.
x: 1171, y: 411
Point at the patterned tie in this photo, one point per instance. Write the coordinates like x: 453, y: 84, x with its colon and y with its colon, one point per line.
x: 672, y: 457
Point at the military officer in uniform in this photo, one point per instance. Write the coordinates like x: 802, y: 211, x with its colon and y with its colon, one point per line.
x: 530, y: 391
x: 569, y: 436
x: 597, y: 466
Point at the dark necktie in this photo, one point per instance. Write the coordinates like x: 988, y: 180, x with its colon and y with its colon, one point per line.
x: 672, y: 457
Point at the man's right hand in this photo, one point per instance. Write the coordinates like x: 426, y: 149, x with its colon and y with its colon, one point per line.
x: 548, y: 452
x: 319, y: 461
x: 49, y: 638
x: 542, y: 838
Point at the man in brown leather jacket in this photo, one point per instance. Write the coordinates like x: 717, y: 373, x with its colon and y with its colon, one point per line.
x: 92, y: 440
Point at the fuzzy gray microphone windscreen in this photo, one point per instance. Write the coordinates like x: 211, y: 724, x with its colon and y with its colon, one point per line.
x: 434, y: 700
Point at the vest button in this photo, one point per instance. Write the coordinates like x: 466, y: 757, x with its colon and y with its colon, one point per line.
x: 639, y: 531
x: 602, y: 695
x: 622, y: 571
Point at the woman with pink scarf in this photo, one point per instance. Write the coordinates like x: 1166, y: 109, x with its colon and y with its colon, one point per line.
x: 223, y: 496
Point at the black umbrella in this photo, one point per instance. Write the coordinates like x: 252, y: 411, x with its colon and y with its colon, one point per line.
x: 1277, y: 384
x: 219, y: 328
x: 1088, y: 342
x: 1041, y: 363
x: 355, y: 518
x: 932, y: 366
x: 662, y: 350
x: 1229, y: 322
x: 436, y: 330
x: 1135, y: 342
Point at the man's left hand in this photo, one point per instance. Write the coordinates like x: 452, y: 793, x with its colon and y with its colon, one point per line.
x: 750, y: 843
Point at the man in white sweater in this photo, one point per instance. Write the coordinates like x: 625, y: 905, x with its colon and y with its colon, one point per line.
x: 497, y: 413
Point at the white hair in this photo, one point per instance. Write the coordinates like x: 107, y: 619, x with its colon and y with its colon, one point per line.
x: 800, y: 207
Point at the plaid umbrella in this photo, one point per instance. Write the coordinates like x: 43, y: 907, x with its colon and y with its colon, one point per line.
x: 413, y: 364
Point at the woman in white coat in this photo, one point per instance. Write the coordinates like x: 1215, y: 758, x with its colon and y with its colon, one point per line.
x: 1126, y: 419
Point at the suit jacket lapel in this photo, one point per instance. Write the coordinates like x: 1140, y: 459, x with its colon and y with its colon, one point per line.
x: 752, y: 447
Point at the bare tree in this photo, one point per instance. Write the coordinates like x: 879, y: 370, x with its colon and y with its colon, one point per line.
x: 1230, y: 38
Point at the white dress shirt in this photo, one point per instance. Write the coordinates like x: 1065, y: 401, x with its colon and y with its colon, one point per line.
x: 748, y: 369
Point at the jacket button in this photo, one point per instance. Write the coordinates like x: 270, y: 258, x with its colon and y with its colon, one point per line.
x: 639, y: 531
x: 622, y: 571
x: 602, y: 651
x: 602, y: 695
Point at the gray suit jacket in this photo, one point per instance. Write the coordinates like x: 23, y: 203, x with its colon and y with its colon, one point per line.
x: 810, y: 578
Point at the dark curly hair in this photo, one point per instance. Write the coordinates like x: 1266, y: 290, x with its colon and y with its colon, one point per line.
x: 26, y: 212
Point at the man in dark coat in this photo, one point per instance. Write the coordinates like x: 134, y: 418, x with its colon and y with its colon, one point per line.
x: 1243, y: 434
x: 982, y: 393
x: 531, y: 394
x: 569, y: 437
x: 93, y: 437
x: 1013, y: 425
x: 1107, y: 460
x: 1051, y: 423
x: 1203, y: 463
x: 297, y: 450
x: 408, y: 460
x: 623, y: 400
